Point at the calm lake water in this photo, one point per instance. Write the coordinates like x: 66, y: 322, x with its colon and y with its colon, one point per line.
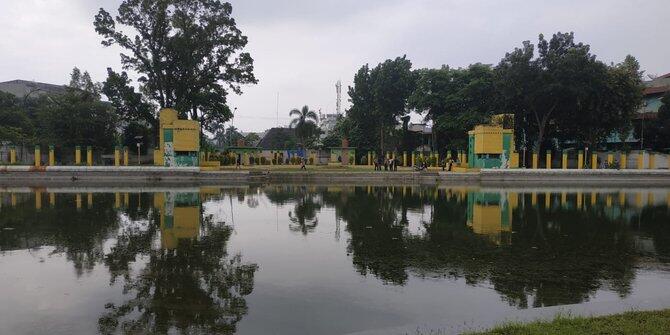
x: 322, y: 259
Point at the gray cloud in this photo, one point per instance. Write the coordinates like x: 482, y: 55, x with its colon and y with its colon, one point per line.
x: 301, y: 48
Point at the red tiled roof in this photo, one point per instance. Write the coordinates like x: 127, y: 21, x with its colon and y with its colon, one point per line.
x: 656, y: 90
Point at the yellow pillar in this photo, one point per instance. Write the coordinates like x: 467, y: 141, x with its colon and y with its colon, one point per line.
x: 52, y: 199
x: 125, y: 156
x: 652, y: 161
x: 117, y: 156
x: 534, y: 160
x: 610, y: 159
x: 640, y: 160
x: 580, y: 160
x: 369, y: 158
x: 594, y: 161
x: 38, y: 156
x: 77, y: 155
x: 38, y: 200
x: 404, y: 158
x: 413, y: 159
x: 623, y: 160
x: 89, y: 156
x: 437, y: 159
x: 52, y: 156
x: 564, y: 161
x: 12, y: 155
x: 548, y: 160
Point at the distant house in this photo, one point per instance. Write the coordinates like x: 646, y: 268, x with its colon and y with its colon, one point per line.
x: 653, y: 92
x: 25, y: 88
x: 327, y: 122
x: 278, y: 138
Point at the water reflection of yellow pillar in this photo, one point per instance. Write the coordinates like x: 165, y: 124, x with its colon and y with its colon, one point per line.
x: 564, y: 199
x: 89, y: 200
x: 77, y: 200
x: 623, y: 161
x: 38, y: 200
x: 533, y: 198
x: 638, y: 199
x: 12, y: 199
x: 52, y: 199
x: 650, y: 199
x: 667, y: 199
x: 547, y: 200
x: 594, y: 198
x: 580, y: 160
x: 117, y: 200
x: 608, y: 201
x: 580, y: 199
x: 622, y: 199
x: 126, y: 200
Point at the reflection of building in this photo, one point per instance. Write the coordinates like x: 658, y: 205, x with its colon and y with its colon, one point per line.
x: 179, y: 217
x: 490, y: 214
x: 492, y: 145
x: 179, y: 140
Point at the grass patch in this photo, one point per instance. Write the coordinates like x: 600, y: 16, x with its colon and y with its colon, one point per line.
x: 633, y: 323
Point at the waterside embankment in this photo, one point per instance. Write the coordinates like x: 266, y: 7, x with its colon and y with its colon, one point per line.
x: 29, y: 175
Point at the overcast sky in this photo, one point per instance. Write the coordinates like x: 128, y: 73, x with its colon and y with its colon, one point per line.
x: 302, y: 47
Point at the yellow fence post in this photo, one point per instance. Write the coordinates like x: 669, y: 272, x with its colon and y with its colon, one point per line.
x: 404, y: 158
x: 12, y: 155
x: 610, y: 159
x: 623, y: 160
x: 652, y: 161
x: 594, y: 161
x: 125, y: 156
x: 117, y: 156
x: 38, y: 156
x: 437, y: 159
x: 52, y: 156
x: 640, y: 160
x: 413, y: 159
x: 580, y: 159
x: 369, y: 158
x: 77, y: 155
x: 548, y: 160
x: 534, y: 160
x: 89, y: 156
x: 564, y: 161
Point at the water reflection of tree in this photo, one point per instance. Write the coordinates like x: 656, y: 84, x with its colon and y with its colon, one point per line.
x: 303, y: 218
x: 194, y: 288
x: 557, y: 256
x: 77, y: 233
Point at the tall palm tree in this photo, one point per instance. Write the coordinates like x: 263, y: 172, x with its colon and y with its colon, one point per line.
x: 304, y: 122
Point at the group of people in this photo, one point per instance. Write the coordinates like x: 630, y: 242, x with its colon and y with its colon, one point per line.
x: 389, y: 164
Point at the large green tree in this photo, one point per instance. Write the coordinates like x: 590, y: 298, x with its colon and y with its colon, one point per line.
x: 188, y: 53
x: 455, y: 100
x: 304, y: 122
